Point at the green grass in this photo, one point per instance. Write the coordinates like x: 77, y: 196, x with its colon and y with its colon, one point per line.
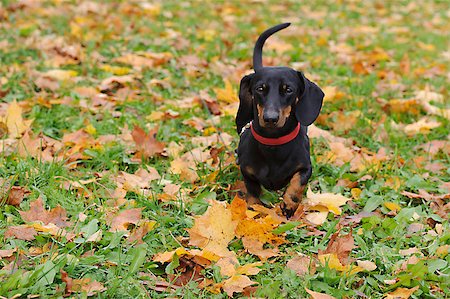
x: 402, y: 27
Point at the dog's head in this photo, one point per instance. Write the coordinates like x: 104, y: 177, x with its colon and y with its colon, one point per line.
x: 273, y: 94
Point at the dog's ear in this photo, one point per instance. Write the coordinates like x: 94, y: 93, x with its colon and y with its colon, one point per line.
x: 309, y: 103
x: 245, y: 111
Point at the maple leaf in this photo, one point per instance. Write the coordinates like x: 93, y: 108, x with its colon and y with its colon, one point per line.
x: 146, y: 144
x: 213, y: 230
x: 37, y: 212
x: 123, y: 219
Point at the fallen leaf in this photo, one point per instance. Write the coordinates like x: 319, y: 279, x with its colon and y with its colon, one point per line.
x: 16, y: 195
x: 341, y: 246
x: 146, y: 144
x: 236, y: 284
x: 302, y: 264
x: 423, y: 126
x: 367, y: 265
x: 226, y: 94
x: 402, y: 293
x: 331, y: 260
x: 122, y: 220
x: 21, y: 232
x: 37, y: 212
x: 213, y: 230
x: 331, y: 201
x: 15, y: 123
x: 316, y: 295
x: 392, y: 206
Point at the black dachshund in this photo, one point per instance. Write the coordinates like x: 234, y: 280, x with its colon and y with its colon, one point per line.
x: 277, y: 104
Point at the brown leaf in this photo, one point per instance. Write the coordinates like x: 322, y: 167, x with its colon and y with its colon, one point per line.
x: 341, y: 246
x: 236, y: 284
x: 16, y: 195
x: 6, y: 252
x: 302, y: 264
x: 316, y: 295
x: 146, y: 144
x: 122, y: 220
x: 21, y: 232
x: 37, y: 212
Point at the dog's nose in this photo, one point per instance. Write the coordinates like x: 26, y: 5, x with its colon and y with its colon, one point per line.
x: 271, y: 117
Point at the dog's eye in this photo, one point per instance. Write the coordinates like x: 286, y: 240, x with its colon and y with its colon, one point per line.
x: 288, y: 89
x: 260, y: 88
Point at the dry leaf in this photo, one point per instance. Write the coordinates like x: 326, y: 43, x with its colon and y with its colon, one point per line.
x: 122, y: 221
x: 236, y: 284
x: 21, y: 232
x: 316, y: 295
x: 402, y: 293
x: 302, y: 265
x: 15, y: 123
x: 37, y: 212
x: 213, y: 230
x: 367, y: 265
x: 146, y: 144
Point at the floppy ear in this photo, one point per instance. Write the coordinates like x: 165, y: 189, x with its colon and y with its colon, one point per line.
x: 310, y: 100
x: 245, y: 111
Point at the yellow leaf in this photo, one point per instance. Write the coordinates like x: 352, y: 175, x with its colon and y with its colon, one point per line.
x: 214, y: 230
x: 331, y: 201
x: 332, y: 93
x: 167, y: 256
x: 14, y: 121
x: 237, y: 284
x: 332, y: 261
x: 116, y: 70
x: 226, y: 94
x: 90, y: 129
x: 356, y: 192
x: 402, y: 293
x: 392, y: 206
x: 443, y: 250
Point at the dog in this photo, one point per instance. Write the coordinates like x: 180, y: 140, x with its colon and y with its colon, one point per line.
x: 276, y: 106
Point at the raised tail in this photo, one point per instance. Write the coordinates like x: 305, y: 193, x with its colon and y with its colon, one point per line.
x: 257, y: 52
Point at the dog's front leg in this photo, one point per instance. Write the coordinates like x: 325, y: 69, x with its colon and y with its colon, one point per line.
x: 253, y: 190
x: 294, y: 193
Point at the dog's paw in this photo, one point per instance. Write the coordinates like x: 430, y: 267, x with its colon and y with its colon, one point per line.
x: 289, y: 205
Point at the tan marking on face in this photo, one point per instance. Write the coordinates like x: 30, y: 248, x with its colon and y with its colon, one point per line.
x: 261, y: 115
x: 285, y: 113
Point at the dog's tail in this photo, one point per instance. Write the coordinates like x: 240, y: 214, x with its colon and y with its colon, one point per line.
x: 257, y: 52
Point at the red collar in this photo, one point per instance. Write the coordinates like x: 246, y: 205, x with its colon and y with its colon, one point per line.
x: 276, y: 141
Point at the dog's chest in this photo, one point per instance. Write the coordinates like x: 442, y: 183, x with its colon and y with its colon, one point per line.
x: 272, y: 168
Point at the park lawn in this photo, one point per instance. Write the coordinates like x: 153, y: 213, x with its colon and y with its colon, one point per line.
x: 117, y: 147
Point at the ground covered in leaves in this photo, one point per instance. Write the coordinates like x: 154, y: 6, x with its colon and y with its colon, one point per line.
x: 117, y: 168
